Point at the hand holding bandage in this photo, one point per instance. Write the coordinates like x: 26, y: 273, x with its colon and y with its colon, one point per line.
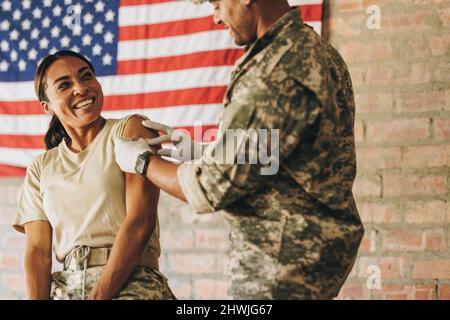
x: 186, y: 149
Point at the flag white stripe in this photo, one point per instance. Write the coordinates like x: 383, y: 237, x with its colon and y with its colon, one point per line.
x: 176, y: 45
x: 179, y: 10
x: 317, y: 25
x: 177, y: 116
x: 157, y: 13
x: 18, y: 157
x: 303, y: 2
x: 135, y: 83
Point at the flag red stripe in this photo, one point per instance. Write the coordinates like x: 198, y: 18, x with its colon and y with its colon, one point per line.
x: 139, y: 2
x: 11, y: 171
x: 37, y: 141
x: 167, y: 29
x: 20, y: 107
x: 311, y: 12
x: 22, y: 141
x: 194, y: 60
x: 184, y: 97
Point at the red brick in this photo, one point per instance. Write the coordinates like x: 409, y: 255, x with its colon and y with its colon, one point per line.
x: 194, y: 263
x: 367, y: 187
x: 436, y: 240
x: 425, y: 211
x: 366, y: 245
x: 425, y: 292
x: 357, y: 51
x: 348, y: 5
x: 10, y: 261
x: 6, y: 215
x: 412, y: 47
x: 444, y: 16
x: 432, y: 269
x: 359, y: 131
x: 211, y: 239
x: 442, y: 72
x: 442, y: 129
x: 439, y: 45
x: 378, y: 158
x: 424, y: 156
x: 380, y: 3
x: 379, y: 74
x: 389, y: 267
x: 399, y: 185
x: 397, y: 22
x: 13, y: 240
x: 406, y: 130
x: 348, y: 26
x: 357, y: 74
x: 354, y: 291
x: 381, y: 212
x: 396, y: 296
x: 415, y: 73
x: 205, y: 289
x: 444, y: 292
x: 181, y: 288
x: 374, y: 102
x: 403, y: 240
x: 177, y: 239
x: 14, y: 282
x: 423, y: 101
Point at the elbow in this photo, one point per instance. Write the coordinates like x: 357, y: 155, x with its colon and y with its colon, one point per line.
x: 36, y: 255
x: 142, y: 229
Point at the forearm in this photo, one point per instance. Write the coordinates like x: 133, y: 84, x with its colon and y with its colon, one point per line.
x: 163, y: 174
x: 38, y: 268
x: 130, y: 242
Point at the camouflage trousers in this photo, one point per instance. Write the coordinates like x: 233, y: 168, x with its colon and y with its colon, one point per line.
x: 143, y: 284
x: 297, y: 257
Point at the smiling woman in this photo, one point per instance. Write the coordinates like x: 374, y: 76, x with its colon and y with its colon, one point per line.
x: 102, y: 223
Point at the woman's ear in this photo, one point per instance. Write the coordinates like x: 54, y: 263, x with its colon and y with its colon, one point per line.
x: 46, y: 108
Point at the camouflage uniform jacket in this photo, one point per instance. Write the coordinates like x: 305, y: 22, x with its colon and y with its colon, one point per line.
x: 294, y: 234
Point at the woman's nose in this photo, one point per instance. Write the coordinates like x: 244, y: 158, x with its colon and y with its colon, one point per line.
x: 80, y: 89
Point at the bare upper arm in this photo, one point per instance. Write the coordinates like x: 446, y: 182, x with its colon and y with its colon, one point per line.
x: 141, y: 195
x: 135, y: 130
x: 39, y: 235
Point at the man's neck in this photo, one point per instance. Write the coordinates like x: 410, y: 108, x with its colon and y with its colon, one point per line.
x: 269, y: 13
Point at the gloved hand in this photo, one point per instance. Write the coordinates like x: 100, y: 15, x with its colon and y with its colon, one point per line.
x: 185, y: 148
x: 127, y: 152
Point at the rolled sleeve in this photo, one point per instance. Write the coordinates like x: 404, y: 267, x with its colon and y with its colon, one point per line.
x: 193, y: 191
x: 30, y: 206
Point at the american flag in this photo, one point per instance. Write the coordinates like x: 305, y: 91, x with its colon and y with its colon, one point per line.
x: 162, y: 58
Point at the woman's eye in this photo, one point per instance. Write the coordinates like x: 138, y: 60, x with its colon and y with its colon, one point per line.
x: 63, y: 85
x: 87, y: 76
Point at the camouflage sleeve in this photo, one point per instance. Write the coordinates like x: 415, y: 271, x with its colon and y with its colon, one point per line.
x: 252, y: 141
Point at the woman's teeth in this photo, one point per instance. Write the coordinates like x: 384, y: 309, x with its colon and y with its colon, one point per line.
x: 83, y: 103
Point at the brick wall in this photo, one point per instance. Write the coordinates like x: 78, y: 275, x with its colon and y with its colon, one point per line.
x: 401, y: 80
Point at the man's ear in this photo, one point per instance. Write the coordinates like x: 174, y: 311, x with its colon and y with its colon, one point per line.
x: 46, y: 108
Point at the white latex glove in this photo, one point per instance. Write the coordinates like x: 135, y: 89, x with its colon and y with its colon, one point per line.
x: 186, y: 149
x: 127, y: 152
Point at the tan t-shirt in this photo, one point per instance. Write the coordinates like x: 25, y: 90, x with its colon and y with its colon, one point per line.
x: 82, y: 195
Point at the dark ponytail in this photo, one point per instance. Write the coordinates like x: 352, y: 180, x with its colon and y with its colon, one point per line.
x: 56, y: 132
